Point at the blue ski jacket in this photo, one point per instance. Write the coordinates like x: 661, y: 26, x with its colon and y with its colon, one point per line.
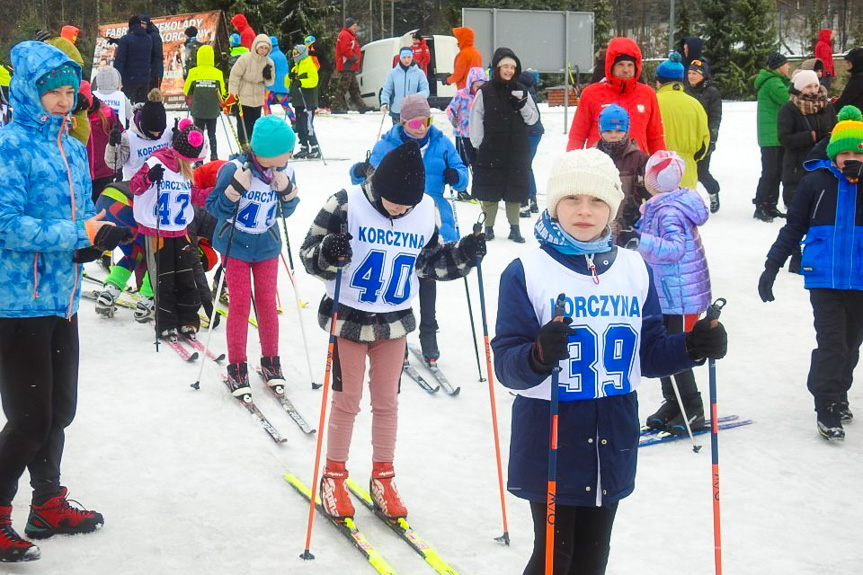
x: 403, y: 82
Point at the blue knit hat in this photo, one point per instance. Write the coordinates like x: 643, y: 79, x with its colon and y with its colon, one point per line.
x: 272, y: 137
x: 234, y: 39
x: 613, y: 117
x: 671, y: 70
x: 63, y: 75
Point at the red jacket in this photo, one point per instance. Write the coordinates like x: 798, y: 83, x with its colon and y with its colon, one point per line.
x: 468, y: 57
x: 824, y: 50
x: 348, y: 46
x: 639, y: 100
x: 422, y: 56
x: 247, y: 35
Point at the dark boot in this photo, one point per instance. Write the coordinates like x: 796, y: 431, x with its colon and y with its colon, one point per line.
x: 489, y: 234
x: 830, y: 422
x: 694, y: 408
x: 515, y: 235
x: 774, y: 212
x: 667, y: 411
x: 763, y: 213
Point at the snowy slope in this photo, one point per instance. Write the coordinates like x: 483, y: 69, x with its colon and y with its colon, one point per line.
x: 188, y: 483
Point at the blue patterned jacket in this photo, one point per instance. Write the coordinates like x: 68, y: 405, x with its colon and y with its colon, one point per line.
x: 45, y: 197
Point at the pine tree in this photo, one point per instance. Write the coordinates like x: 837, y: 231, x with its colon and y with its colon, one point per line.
x: 683, y: 24
x: 756, y: 35
x: 718, y: 39
x: 602, y: 26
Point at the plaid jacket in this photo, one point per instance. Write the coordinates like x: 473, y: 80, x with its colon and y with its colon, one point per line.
x: 437, y: 260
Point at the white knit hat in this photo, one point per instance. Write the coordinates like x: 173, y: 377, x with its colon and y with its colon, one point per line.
x: 664, y: 171
x: 584, y: 172
x: 803, y: 78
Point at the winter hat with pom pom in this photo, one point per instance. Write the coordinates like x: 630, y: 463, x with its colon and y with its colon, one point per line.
x: 584, y: 172
x: 847, y: 135
x: 188, y: 142
x: 272, y: 137
x: 664, y: 171
x: 803, y: 78
x: 671, y: 70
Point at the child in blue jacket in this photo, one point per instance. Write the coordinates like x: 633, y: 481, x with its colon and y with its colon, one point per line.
x: 826, y: 216
x: 611, y: 334
x: 47, y: 229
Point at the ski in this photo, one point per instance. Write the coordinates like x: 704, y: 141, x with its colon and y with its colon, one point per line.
x: 184, y: 353
x: 653, y: 431
x: 346, y: 527
x: 412, y: 373
x: 279, y: 393
x: 247, y: 402
x: 403, y: 529
x: 665, y: 438
x: 193, y: 341
x: 435, y: 370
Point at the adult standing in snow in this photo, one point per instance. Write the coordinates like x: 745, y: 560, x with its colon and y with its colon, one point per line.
x: 534, y: 134
x: 824, y: 52
x: 468, y: 57
x: 251, y: 75
x: 621, y: 87
x: 132, y: 59
x: 247, y: 35
x: 701, y: 88
x: 157, y: 56
x: 499, y: 118
x: 691, y: 48
x: 278, y: 92
x: 772, y: 85
x: 80, y: 129
x: 402, y: 81
x: 348, y: 58
x: 852, y: 95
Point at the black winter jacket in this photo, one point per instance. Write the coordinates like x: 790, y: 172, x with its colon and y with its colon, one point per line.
x: 157, y: 57
x: 133, y: 57
x: 795, y: 135
x: 852, y: 95
x: 711, y: 101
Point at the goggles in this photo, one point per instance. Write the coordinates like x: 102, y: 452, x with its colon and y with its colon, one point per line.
x: 418, y: 123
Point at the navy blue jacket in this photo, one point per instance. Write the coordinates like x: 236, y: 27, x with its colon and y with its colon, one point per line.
x: 828, y: 210
x: 157, y: 56
x: 134, y: 56
x: 597, y: 438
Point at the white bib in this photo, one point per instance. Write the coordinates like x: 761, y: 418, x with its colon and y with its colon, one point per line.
x: 382, y: 276
x: 259, y: 206
x: 116, y: 101
x: 603, y: 353
x: 140, y: 149
x: 172, y: 202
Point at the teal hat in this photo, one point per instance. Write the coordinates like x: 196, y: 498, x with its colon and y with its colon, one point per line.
x: 63, y: 75
x: 272, y: 137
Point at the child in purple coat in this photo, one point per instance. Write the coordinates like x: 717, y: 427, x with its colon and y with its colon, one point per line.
x: 671, y: 245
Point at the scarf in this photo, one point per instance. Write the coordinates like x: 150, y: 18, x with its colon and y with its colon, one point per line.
x: 809, y: 104
x: 548, y: 232
x: 613, y: 149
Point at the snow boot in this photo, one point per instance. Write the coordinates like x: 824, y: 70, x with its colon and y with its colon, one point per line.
x: 106, y: 299
x: 384, y: 493
x: 13, y: 548
x: 489, y: 234
x: 775, y: 213
x: 534, y: 209
x: 271, y: 371
x: 334, y: 494
x: 762, y: 212
x: 56, y: 516
x: 830, y: 422
x: 303, y: 153
x: 314, y: 153
x: 694, y: 408
x: 714, y: 203
x: 515, y: 235
x: 145, y: 309
x: 238, y: 379
x: 666, y: 412
x: 845, y: 411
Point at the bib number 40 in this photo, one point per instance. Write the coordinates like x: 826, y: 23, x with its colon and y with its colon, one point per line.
x: 368, y: 278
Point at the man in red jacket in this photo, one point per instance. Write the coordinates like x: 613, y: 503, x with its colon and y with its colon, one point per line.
x: 348, y: 58
x: 621, y: 87
x: 247, y: 35
x: 824, y: 52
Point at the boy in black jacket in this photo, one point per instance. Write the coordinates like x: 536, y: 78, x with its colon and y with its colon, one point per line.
x: 701, y: 88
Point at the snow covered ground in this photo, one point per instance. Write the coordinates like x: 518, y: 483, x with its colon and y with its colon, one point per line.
x: 188, y: 483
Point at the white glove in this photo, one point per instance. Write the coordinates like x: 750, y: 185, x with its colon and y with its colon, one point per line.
x: 283, y: 185
x: 385, y: 108
x: 239, y: 184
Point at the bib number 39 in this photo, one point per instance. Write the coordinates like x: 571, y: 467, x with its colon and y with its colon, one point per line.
x: 617, y: 354
x: 368, y: 278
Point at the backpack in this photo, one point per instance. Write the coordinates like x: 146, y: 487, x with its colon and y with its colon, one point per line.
x: 191, y: 55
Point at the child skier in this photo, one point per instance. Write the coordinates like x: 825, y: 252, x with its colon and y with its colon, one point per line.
x: 303, y: 83
x: 458, y: 113
x: 107, y: 88
x: 671, y: 245
x: 374, y: 315
x: 262, y: 182
x: 103, y: 121
x: 205, y: 89
x: 614, y: 140
x: 147, y: 134
x: 163, y: 210
x: 611, y: 349
x: 47, y: 228
x: 826, y: 210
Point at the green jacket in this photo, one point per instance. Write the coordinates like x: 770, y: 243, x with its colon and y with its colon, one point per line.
x: 772, y: 93
x: 685, y: 124
x: 205, y: 86
x: 304, y: 91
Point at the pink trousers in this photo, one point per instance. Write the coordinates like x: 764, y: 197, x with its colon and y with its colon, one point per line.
x: 385, y: 368
x: 238, y: 275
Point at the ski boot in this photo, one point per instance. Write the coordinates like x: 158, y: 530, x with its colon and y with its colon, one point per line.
x: 845, y: 410
x: 13, y: 548
x: 303, y: 153
x: 145, y: 309
x: 694, y: 408
x: 762, y: 212
x: 384, y: 493
x: 714, y: 203
x: 314, y: 153
x: 334, y: 493
x: 271, y: 371
x: 106, y: 299
x: 489, y: 234
x: 667, y: 411
x: 189, y: 332
x: 170, y: 335
x: 55, y: 516
x: 515, y: 235
x: 464, y: 197
x: 238, y: 378
x: 830, y: 422
x: 428, y: 343
x: 775, y: 213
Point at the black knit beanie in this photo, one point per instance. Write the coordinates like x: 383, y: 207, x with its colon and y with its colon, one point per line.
x: 191, y: 31
x: 401, y: 175
x: 153, y: 118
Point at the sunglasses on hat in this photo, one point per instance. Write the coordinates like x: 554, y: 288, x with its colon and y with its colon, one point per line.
x: 418, y: 123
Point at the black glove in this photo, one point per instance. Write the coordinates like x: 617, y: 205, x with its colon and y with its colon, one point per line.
x: 360, y: 170
x: 156, y: 174
x: 551, y: 345
x: 765, y: 282
x: 114, y: 41
x: 85, y: 255
x: 705, y: 341
x: 450, y: 176
x: 336, y: 247
x: 109, y: 237
x: 853, y: 170
x: 268, y: 72
x: 293, y: 76
x: 518, y: 98
x: 473, y: 246
x: 116, y: 137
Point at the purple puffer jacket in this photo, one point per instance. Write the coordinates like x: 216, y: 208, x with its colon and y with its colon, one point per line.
x: 671, y: 245
x: 458, y: 110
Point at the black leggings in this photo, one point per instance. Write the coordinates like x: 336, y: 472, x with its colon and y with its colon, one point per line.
x: 582, y: 538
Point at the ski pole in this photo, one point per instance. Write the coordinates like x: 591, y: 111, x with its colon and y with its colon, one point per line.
x: 381, y: 128
x: 307, y: 555
x: 713, y: 315
x: 243, y: 123
x: 477, y: 228
x: 156, y: 256
x: 297, y: 300
x: 551, y: 500
x: 222, y: 276
x: 227, y: 134
x: 695, y: 447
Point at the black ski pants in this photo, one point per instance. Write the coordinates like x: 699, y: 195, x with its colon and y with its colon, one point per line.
x: 838, y: 335
x: 39, y: 389
x: 210, y: 125
x: 767, y: 193
x: 705, y: 177
x: 176, y: 290
x: 582, y: 537
x: 250, y: 116
x: 686, y: 378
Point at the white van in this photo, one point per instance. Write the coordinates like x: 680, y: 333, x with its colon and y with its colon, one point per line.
x: 377, y: 62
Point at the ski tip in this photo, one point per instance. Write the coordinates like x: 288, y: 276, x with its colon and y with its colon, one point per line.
x: 220, y: 357
x: 455, y: 392
x: 434, y: 390
x: 193, y: 357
